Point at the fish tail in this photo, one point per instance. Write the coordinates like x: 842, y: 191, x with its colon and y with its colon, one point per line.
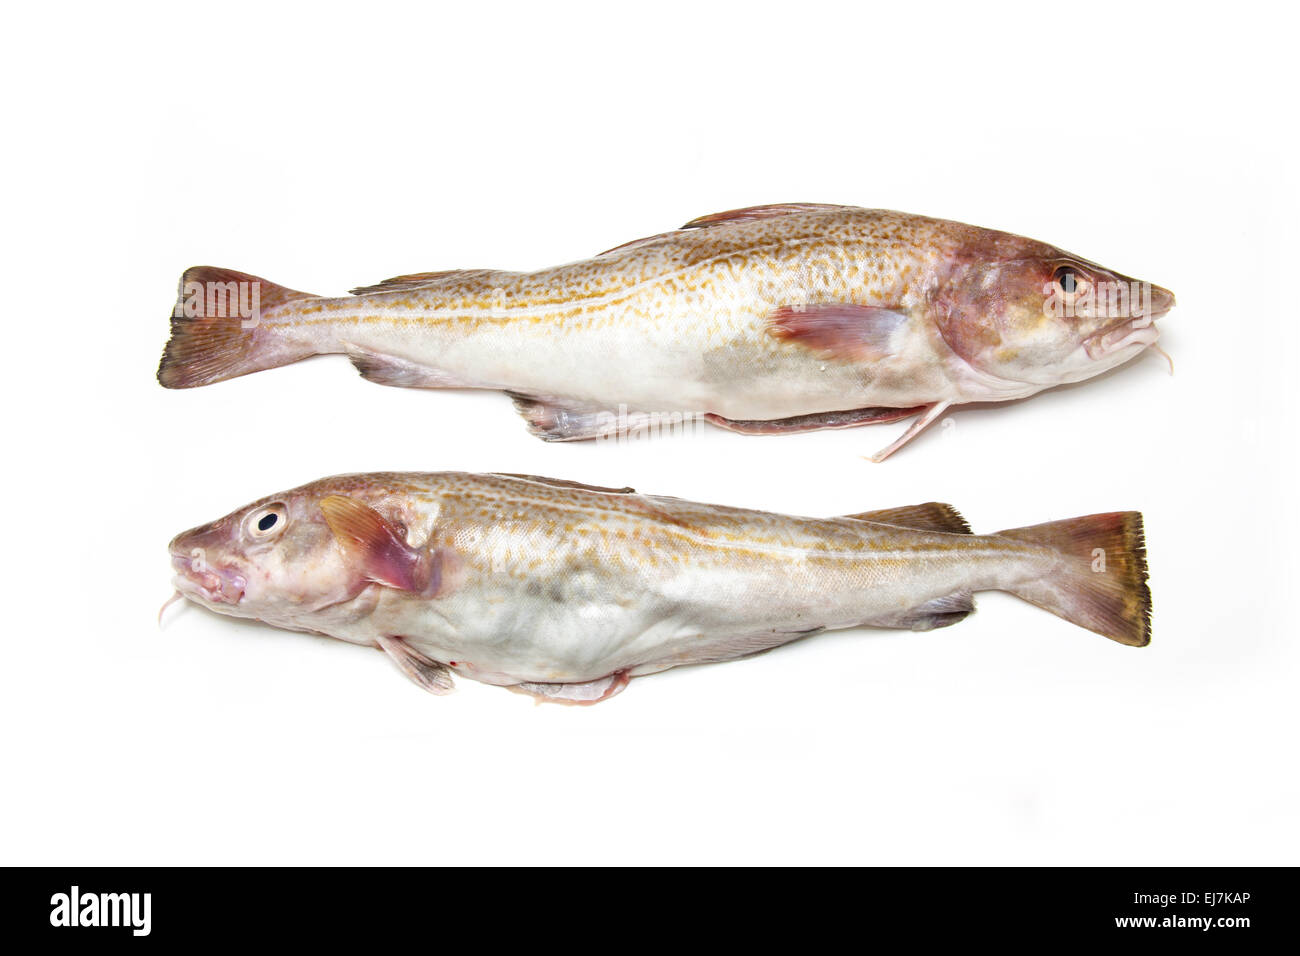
x: 1102, y: 583
x: 216, y: 331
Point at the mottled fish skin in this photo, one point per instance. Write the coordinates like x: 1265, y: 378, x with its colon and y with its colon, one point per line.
x: 540, y: 582
x: 897, y: 310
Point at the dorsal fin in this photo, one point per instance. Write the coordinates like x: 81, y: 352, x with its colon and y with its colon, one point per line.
x: 748, y: 214
x: 751, y: 213
x: 564, y: 483
x: 931, y: 516
x: 634, y: 243
x: 416, y: 280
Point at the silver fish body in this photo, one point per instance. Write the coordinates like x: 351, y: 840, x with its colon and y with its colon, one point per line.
x: 567, y: 591
x: 767, y: 319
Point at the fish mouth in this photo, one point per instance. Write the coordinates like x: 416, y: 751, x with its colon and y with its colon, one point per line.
x: 210, y: 583
x: 1137, y: 329
x: 1118, y: 337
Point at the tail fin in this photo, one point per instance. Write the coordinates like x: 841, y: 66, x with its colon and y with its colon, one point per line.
x: 1103, y: 583
x: 215, y: 331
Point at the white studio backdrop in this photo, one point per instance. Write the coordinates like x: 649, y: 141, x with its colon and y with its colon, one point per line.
x: 326, y: 146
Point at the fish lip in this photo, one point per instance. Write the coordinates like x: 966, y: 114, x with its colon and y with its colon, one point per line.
x: 1139, y: 329
x: 211, y: 583
x: 1129, y: 332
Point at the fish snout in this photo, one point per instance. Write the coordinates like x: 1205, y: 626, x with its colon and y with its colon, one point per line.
x: 1152, y: 303
x: 1137, y: 327
x: 1162, y: 300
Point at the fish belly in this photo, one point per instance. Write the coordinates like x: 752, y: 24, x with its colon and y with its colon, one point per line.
x: 585, y: 623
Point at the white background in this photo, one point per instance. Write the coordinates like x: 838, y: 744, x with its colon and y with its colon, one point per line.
x: 325, y: 146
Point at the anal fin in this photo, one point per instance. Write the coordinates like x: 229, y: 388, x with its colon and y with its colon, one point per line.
x: 939, y: 612
x: 555, y: 419
x: 551, y: 420
x: 385, y: 369
x: 580, y: 694
x: 850, y: 418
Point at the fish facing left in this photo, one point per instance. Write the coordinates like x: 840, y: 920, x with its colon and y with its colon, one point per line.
x: 567, y: 591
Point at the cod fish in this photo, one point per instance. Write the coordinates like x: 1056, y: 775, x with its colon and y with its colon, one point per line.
x: 567, y: 591
x: 771, y: 319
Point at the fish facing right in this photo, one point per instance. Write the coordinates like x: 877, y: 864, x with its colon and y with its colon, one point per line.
x: 566, y: 591
x: 765, y: 320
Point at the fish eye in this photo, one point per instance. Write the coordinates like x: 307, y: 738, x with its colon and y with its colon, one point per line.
x: 1069, y: 280
x: 265, y: 522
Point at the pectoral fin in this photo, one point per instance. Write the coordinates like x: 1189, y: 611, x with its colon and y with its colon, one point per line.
x: 839, y: 330
x: 429, y: 674
x: 378, y: 548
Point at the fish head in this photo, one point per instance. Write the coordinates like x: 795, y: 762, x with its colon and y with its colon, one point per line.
x: 274, y: 560
x: 1031, y: 314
